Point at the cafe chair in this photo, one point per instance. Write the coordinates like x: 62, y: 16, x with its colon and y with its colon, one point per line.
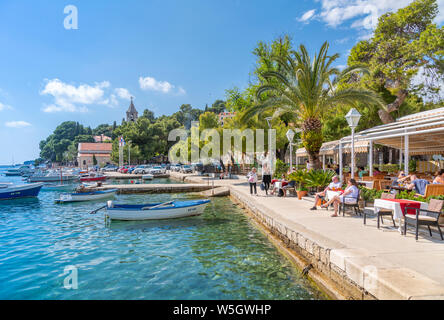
x: 428, y: 217
x: 354, y: 205
x: 386, y: 212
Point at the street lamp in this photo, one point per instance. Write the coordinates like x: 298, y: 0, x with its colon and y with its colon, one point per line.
x: 290, y: 136
x: 129, y: 152
x: 269, y: 144
x: 353, y: 117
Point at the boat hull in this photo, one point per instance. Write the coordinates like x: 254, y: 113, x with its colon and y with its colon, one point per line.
x: 92, y: 179
x: 86, y: 196
x: 52, y: 178
x: 148, y: 177
x: 18, y: 192
x: 138, y: 213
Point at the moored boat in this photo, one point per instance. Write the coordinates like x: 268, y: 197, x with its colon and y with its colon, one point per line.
x: 12, y: 173
x: 155, y: 211
x: 147, y: 177
x: 92, y: 177
x: 52, y: 176
x: 86, y: 196
x: 8, y: 191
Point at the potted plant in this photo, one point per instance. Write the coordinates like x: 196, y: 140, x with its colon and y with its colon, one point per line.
x: 299, y: 177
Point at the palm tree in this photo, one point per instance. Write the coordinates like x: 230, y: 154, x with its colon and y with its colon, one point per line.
x: 308, y: 88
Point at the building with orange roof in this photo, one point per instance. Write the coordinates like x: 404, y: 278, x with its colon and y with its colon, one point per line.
x: 87, y: 151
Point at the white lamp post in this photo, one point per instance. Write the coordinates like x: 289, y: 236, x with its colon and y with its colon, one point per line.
x: 129, y: 153
x: 353, y: 117
x: 290, y: 136
x: 269, y: 144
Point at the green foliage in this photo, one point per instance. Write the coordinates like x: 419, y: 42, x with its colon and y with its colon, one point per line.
x: 410, y: 196
x: 370, y: 194
x: 403, y: 43
x: 412, y: 165
x: 389, y: 168
x: 319, y: 178
x: 299, y: 176
x: 208, y: 120
x: 55, y: 147
x: 281, y: 168
x: 94, y: 160
x: 294, y: 83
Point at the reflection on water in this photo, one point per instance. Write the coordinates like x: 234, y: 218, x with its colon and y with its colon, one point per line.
x: 218, y: 255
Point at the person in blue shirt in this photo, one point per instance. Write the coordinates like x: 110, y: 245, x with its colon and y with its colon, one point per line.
x: 418, y: 184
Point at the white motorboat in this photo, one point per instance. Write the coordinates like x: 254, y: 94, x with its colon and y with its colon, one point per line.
x: 155, y: 211
x: 52, y: 176
x: 148, y: 177
x: 86, y: 196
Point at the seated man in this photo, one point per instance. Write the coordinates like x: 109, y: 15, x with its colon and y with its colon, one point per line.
x: 400, y: 178
x: 439, y: 178
x: 289, y: 186
x: 335, y: 184
x: 418, y: 184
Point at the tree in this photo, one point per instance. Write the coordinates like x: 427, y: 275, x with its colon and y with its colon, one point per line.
x: 307, y: 88
x: 208, y: 120
x: 94, y: 160
x: 405, y: 45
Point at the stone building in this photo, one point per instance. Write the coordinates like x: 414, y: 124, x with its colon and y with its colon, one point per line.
x: 132, y: 114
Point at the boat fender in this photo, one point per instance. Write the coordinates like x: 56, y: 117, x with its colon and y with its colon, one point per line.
x: 110, y: 204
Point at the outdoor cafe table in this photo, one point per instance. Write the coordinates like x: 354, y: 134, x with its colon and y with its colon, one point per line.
x: 331, y: 194
x: 397, y: 207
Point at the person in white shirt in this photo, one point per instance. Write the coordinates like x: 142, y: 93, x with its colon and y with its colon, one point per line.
x: 252, y: 179
x: 335, y: 184
x: 350, y: 195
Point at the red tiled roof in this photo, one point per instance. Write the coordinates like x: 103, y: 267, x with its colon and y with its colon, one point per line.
x: 95, y: 147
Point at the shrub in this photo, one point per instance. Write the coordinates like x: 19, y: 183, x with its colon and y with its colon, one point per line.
x: 281, y: 168
x: 319, y: 178
x: 370, y: 194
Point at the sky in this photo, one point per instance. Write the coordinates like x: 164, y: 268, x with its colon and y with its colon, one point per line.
x: 163, y: 53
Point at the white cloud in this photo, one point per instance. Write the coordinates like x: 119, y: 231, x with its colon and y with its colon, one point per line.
x: 5, y: 107
x: 123, y: 93
x: 71, y: 98
x: 182, y: 91
x: 362, y: 14
x: 307, y: 15
x: 17, y: 124
x: 150, y: 83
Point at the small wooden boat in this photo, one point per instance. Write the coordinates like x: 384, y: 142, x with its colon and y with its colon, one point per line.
x: 8, y: 191
x: 92, y: 177
x: 155, y: 211
x: 86, y: 196
x: 147, y: 177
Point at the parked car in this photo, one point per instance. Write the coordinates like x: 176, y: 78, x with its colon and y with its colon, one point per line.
x: 186, y: 169
x: 123, y: 169
x: 110, y: 168
x: 175, y: 167
x: 157, y: 170
x: 142, y: 169
x: 131, y: 169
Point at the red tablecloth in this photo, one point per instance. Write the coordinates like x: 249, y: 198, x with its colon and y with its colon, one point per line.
x: 403, y: 203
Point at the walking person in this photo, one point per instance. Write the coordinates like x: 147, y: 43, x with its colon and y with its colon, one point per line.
x: 252, y: 179
x: 266, y: 177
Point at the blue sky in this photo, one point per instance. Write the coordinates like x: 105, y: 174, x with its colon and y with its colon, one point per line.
x: 164, y: 53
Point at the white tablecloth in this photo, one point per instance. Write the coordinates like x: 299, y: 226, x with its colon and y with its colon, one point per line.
x: 368, y: 184
x: 394, y: 206
x: 330, y: 194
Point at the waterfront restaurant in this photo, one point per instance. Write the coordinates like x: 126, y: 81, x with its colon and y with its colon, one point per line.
x: 87, y: 152
x: 420, y: 135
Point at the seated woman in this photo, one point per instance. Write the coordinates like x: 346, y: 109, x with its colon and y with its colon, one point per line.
x: 350, y: 195
x: 376, y: 171
x: 439, y: 178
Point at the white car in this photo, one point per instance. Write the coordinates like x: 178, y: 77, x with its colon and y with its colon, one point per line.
x: 142, y: 169
x: 156, y: 170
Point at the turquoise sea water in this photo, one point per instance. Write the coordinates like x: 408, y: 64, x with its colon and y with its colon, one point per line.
x: 218, y: 255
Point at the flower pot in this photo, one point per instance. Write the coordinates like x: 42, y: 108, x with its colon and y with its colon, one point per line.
x: 301, y: 194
